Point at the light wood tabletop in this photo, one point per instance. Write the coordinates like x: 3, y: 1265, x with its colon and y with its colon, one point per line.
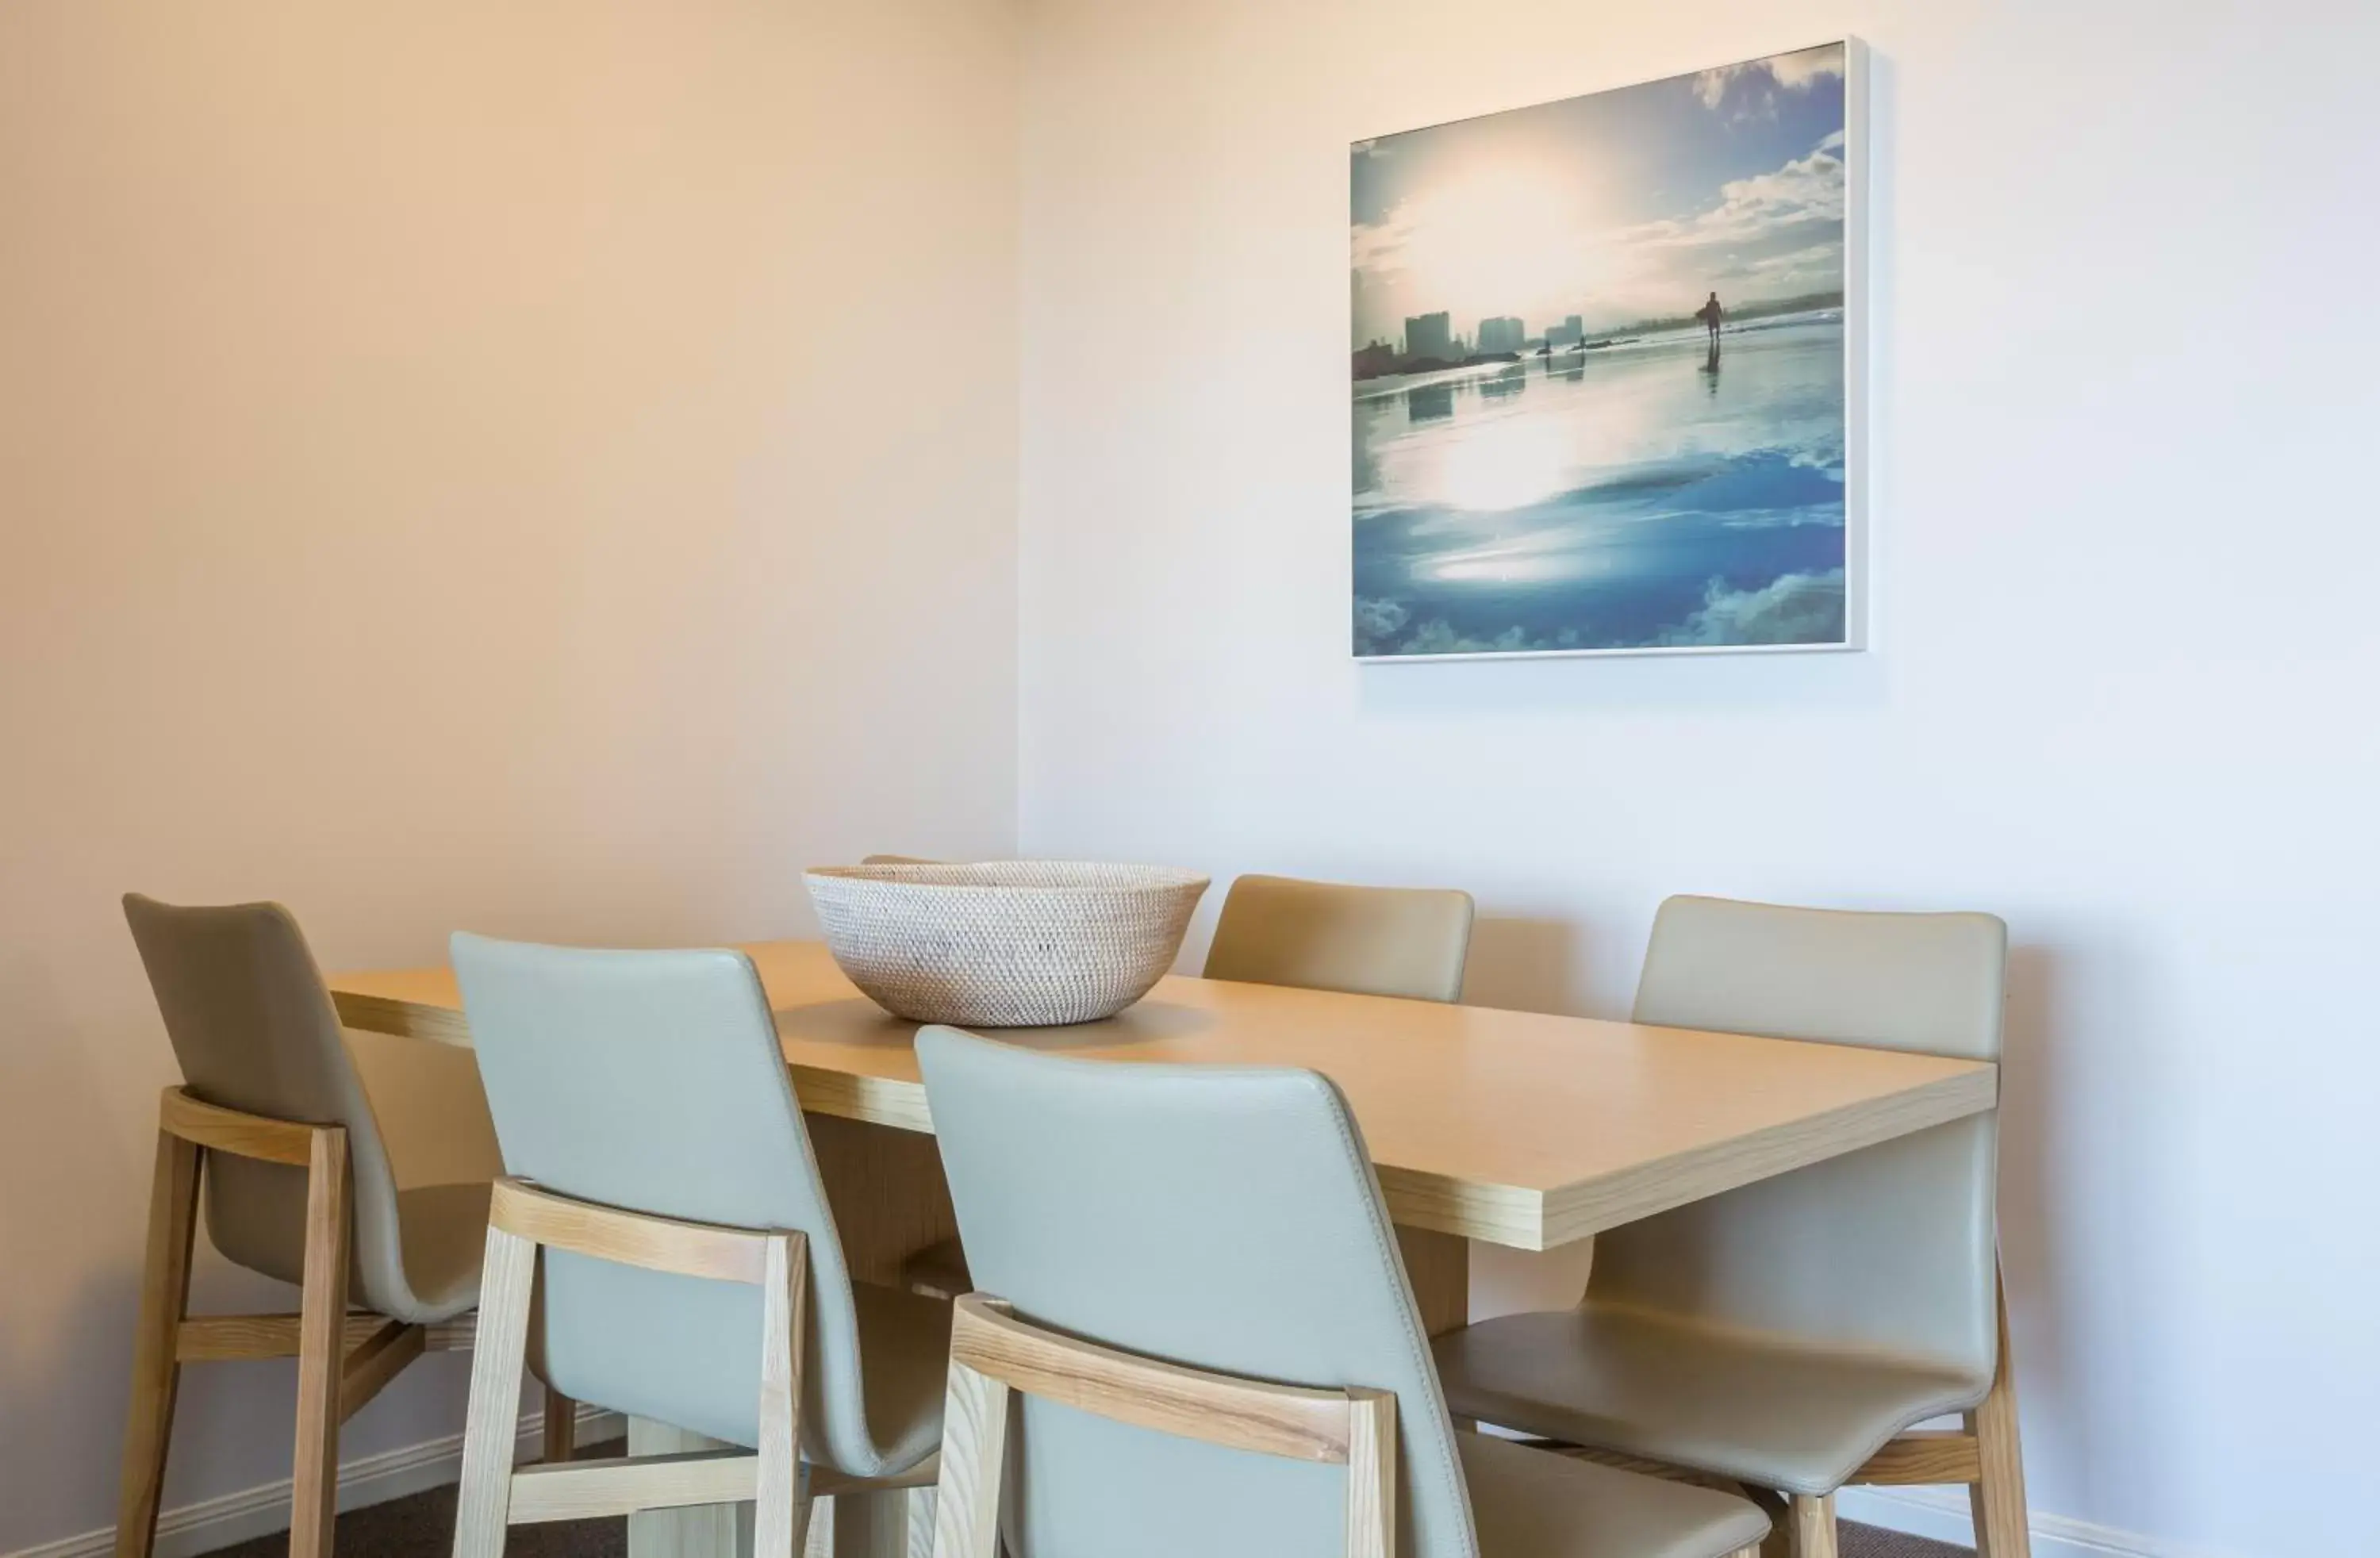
x: 1513, y: 1128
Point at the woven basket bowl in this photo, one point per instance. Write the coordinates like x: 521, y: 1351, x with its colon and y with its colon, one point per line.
x: 1004, y: 944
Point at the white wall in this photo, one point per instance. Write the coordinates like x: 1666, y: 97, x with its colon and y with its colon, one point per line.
x: 2124, y: 660
x: 549, y: 467
x: 546, y: 468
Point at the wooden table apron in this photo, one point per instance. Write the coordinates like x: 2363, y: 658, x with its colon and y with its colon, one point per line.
x: 1515, y: 1128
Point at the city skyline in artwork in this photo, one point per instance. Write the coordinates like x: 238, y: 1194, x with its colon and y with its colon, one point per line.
x: 1598, y: 352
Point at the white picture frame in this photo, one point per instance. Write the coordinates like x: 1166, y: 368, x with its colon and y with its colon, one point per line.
x: 1471, y: 642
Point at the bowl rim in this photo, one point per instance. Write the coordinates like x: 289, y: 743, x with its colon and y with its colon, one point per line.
x: 1151, y: 878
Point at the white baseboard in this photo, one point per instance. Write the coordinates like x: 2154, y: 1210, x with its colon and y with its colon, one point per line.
x: 1941, y: 1515
x: 194, y: 1528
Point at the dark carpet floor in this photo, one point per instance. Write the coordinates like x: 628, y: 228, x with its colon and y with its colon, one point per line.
x: 423, y: 1526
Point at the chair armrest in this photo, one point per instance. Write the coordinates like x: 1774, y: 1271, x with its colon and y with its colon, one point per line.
x: 243, y: 1136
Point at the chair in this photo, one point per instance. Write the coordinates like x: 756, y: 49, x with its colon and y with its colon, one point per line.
x: 1408, y: 941
x: 660, y: 1170
x: 1365, y: 940
x: 1786, y: 1333
x: 1198, y: 1294
x: 297, y: 1186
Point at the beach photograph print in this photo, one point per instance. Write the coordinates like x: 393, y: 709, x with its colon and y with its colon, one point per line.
x: 1601, y: 372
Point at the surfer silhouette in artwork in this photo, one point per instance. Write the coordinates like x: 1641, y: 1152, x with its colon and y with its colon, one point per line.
x: 1710, y: 314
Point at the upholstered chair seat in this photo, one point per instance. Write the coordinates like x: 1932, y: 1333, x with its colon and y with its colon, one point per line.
x: 1770, y: 1410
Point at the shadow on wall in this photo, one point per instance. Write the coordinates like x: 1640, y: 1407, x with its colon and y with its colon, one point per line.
x: 2133, y: 1228
x: 1672, y: 685
x: 2027, y: 1210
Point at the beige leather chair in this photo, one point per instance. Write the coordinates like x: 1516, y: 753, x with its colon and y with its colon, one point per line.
x: 297, y: 1186
x: 1322, y: 935
x: 1408, y: 941
x: 1787, y: 1333
x: 1191, y: 1280
x: 691, y: 1273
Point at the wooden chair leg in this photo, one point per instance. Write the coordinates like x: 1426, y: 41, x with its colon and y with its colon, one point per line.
x: 1372, y: 1475
x: 1812, y: 1522
x: 921, y: 1523
x: 156, y: 1374
x: 1996, y: 1497
x: 975, y: 1459
x: 875, y: 1523
x: 816, y: 1521
x: 321, y: 1327
x: 779, y: 1506
x: 561, y: 1426
x: 485, y: 1498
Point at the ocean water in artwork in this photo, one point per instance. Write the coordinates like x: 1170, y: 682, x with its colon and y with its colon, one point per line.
x: 1645, y: 447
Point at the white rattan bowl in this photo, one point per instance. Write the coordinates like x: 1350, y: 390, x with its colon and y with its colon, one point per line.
x: 1004, y: 944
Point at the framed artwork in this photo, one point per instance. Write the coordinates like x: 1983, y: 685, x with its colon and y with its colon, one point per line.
x: 1607, y: 362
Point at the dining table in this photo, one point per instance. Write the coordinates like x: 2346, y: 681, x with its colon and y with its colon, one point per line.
x: 1524, y: 1129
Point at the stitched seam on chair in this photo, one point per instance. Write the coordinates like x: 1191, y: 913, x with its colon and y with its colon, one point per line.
x: 1417, y: 1344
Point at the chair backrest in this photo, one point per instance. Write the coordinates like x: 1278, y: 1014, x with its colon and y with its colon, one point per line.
x: 1221, y: 1218
x: 1892, y: 1250
x: 254, y: 1029
x: 651, y: 1081
x: 1323, y: 935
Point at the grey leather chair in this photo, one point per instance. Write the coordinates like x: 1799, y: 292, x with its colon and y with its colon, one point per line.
x: 297, y: 1186
x: 1324, y: 935
x: 1227, y: 1221
x: 1786, y: 1333
x: 650, y: 1082
x: 1408, y: 941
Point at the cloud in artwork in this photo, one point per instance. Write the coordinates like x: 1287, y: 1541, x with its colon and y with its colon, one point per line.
x: 1379, y: 247
x: 1793, y: 609
x: 1808, y: 188
x: 1775, y: 234
x: 1377, y: 623
x: 1380, y: 631
x: 1749, y: 91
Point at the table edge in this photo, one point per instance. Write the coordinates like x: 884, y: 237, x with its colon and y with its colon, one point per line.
x: 1659, y: 1185
x: 1516, y: 1216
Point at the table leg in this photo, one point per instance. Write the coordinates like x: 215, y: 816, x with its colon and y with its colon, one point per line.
x: 887, y: 1189
x: 1439, y: 1265
x: 897, y: 1522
